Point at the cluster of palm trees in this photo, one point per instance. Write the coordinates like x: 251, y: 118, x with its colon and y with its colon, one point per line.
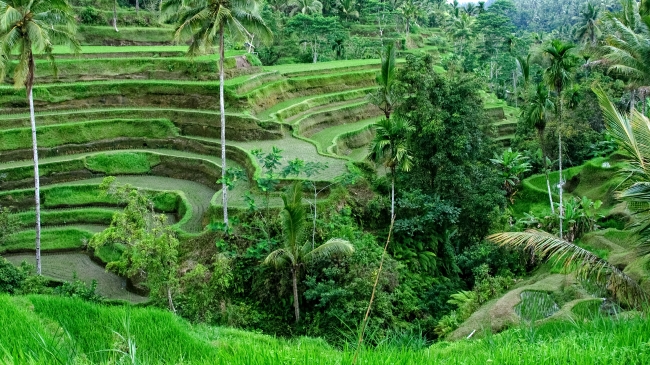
x: 624, y: 52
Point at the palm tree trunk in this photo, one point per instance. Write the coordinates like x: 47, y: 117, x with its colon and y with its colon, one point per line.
x: 170, y: 302
x: 37, y: 184
x: 392, y: 196
x: 296, y: 305
x: 313, y: 231
x: 548, y: 182
x: 559, y: 138
x: 222, y: 109
x: 115, y: 15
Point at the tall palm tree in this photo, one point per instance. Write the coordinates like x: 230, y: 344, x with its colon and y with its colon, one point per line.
x: 558, y: 75
x: 626, y: 53
x: 297, y: 251
x: 463, y: 29
x: 207, y: 21
x: 313, y: 7
x: 31, y: 27
x: 347, y: 8
x: 383, y: 96
x: 390, y: 147
x: 536, y: 116
x: 471, y: 9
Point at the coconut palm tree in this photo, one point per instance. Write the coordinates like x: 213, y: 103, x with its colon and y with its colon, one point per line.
x: 536, y: 115
x: 558, y: 75
x: 383, y: 96
x: 588, y: 30
x: 632, y: 132
x: 297, y: 251
x: 306, y: 7
x: 30, y: 27
x: 207, y: 21
x: 463, y: 29
x: 623, y: 288
x: 390, y: 147
x: 347, y: 8
x: 626, y: 53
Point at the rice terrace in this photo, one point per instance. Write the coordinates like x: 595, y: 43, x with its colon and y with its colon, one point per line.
x: 324, y: 182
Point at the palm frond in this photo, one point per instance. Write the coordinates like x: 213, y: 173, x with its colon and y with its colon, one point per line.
x: 279, y: 258
x: 590, y: 266
x: 334, y: 246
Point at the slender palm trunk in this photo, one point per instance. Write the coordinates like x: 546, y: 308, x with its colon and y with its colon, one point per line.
x: 548, y: 182
x: 170, y: 302
x: 296, y: 305
x: 392, y: 195
x: 559, y: 146
x: 313, y: 231
x: 37, y: 184
x: 222, y: 109
x: 115, y: 15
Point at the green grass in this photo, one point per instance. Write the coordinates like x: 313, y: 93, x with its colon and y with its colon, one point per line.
x: 96, y: 215
x: 122, y: 163
x: 57, y: 135
x: 51, y: 239
x: 92, y: 331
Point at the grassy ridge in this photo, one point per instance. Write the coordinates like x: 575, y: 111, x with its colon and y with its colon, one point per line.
x: 57, y: 135
x: 602, y: 341
x: 51, y: 239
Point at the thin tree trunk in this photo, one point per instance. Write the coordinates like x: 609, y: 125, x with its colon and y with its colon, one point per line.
x: 364, y: 323
x: 514, y: 82
x: 137, y: 7
x: 632, y: 100
x: 115, y: 15
x: 559, y: 138
x: 222, y: 109
x: 170, y: 302
x: 548, y: 182
x: 37, y: 184
x: 392, y: 195
x: 296, y: 305
x: 313, y: 232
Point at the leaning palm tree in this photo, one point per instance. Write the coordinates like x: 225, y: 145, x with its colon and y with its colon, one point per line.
x: 589, y: 266
x: 32, y: 27
x: 297, y: 251
x: 558, y: 75
x: 390, y: 147
x: 206, y: 22
x: 536, y: 116
x: 588, y: 30
x: 383, y: 96
x: 626, y: 53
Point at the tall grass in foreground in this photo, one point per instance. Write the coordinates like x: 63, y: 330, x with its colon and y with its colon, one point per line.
x: 96, y: 333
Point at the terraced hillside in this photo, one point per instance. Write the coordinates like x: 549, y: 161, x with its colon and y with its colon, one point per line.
x: 149, y: 115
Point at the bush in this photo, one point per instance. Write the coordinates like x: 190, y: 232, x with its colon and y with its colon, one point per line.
x: 11, y: 277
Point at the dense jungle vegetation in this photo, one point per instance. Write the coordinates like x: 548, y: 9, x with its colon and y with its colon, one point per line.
x: 324, y: 182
